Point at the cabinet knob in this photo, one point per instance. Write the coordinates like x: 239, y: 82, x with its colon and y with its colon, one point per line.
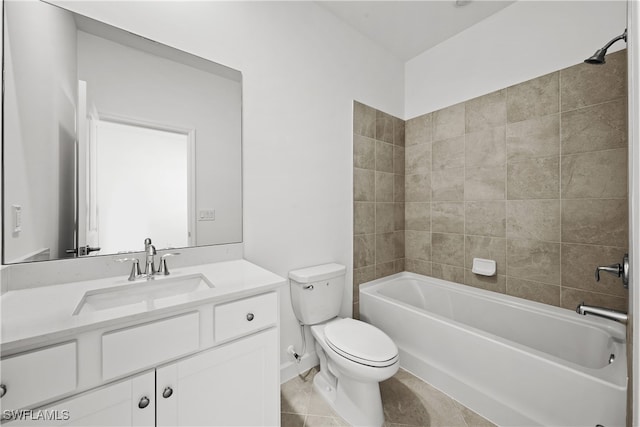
x: 144, y: 402
x: 3, y: 390
x: 167, y: 392
x: 250, y: 316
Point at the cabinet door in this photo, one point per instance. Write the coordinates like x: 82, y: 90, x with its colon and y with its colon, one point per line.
x: 117, y: 404
x: 236, y: 384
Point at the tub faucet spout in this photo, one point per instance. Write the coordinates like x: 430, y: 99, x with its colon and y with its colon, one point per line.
x: 616, y: 315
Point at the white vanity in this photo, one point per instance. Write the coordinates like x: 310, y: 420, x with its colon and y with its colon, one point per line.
x: 198, y: 355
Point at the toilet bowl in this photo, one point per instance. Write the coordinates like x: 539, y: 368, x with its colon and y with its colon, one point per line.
x: 354, y: 356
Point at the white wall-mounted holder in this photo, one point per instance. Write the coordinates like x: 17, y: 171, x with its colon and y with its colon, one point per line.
x: 484, y: 267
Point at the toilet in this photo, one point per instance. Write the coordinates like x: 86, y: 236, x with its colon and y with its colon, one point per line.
x: 354, y: 356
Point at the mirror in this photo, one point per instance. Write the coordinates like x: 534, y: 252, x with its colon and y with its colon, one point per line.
x: 110, y: 138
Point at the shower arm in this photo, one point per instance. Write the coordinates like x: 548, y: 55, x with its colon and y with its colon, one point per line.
x: 622, y: 36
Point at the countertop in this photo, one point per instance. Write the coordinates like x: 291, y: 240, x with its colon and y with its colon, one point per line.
x: 37, y: 316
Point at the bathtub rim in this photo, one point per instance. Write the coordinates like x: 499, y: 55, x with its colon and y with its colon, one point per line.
x: 609, y: 374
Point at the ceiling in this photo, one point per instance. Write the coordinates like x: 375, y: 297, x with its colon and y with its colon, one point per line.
x: 408, y: 28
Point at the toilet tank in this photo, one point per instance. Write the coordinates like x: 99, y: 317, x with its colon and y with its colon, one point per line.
x: 316, y: 292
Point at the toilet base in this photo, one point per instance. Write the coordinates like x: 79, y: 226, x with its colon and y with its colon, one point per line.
x: 358, y: 403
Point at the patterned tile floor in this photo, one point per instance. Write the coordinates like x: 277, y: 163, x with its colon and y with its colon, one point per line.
x: 407, y: 401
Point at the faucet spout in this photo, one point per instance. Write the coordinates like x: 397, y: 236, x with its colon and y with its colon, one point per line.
x: 616, y: 315
x: 150, y: 264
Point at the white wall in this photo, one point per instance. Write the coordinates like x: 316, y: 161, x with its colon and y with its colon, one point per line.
x: 40, y: 64
x: 127, y: 82
x: 525, y: 40
x: 302, y: 68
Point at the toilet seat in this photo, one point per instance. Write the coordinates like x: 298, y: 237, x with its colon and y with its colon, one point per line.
x: 361, y: 343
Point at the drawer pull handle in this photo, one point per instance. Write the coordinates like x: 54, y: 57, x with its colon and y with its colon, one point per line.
x: 3, y: 390
x: 144, y: 402
x: 250, y: 316
x: 167, y: 392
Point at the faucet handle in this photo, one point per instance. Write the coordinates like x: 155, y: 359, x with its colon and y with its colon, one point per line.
x: 163, y: 263
x: 135, y: 267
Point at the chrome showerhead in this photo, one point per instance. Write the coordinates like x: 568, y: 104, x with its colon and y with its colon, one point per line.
x: 598, y: 57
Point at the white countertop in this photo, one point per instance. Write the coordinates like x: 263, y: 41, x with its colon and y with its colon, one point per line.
x: 37, y: 316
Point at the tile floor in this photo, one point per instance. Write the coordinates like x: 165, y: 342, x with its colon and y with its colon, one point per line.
x: 407, y: 401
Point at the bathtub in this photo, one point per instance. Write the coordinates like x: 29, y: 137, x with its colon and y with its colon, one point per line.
x: 513, y: 361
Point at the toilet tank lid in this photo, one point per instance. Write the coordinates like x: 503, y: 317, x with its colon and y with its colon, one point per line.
x: 318, y: 272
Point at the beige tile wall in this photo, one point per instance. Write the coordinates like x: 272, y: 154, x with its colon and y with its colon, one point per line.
x: 378, y: 182
x: 533, y: 176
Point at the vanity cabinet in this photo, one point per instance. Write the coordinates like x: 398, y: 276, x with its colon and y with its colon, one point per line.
x: 213, y: 365
x: 236, y: 384
x: 125, y: 403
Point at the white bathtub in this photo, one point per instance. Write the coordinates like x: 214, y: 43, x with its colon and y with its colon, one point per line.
x: 514, y: 361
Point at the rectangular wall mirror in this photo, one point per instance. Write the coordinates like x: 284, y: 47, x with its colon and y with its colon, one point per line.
x: 110, y: 138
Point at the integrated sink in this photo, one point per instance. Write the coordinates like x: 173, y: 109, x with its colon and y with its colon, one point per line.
x: 146, y: 294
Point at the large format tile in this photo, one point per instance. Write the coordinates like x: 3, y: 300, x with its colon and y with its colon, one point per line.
x: 493, y: 248
x: 448, y: 153
x: 448, y: 272
x: 418, y: 266
x: 600, y: 174
x: 534, y: 260
x: 364, y: 120
x: 595, y: 221
x: 533, y: 291
x: 398, y: 132
x: 385, y: 248
x: 447, y: 217
x: 485, y: 148
x: 364, y: 218
x: 447, y: 249
x: 533, y: 98
x: 418, y: 130
x: 418, y: 245
x: 572, y: 297
x: 449, y: 122
x: 496, y: 283
x: 447, y: 185
x: 364, y: 152
x: 537, y: 137
x: 417, y: 188
x: 384, y: 218
x: 364, y: 185
x: 486, y: 112
x: 384, y: 127
x: 598, y: 127
x: 384, y: 157
x: 485, y: 218
x: 533, y: 219
x: 585, y: 84
x: 418, y: 216
x: 398, y: 160
x: 534, y: 179
x: 384, y: 186
x: 485, y: 183
x: 399, y: 188
x: 580, y: 261
x: 417, y: 159
x: 364, y: 250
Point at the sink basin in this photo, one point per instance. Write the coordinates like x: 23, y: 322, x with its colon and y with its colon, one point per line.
x: 147, y: 294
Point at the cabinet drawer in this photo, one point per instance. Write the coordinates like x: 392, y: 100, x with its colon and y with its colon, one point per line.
x: 34, y: 377
x: 138, y: 347
x: 242, y: 317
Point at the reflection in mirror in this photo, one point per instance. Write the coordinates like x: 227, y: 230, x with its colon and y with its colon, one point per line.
x: 110, y: 138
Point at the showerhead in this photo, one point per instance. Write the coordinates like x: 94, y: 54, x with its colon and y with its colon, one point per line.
x: 598, y: 57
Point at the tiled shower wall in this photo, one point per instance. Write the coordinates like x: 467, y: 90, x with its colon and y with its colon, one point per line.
x: 378, y: 181
x: 533, y: 176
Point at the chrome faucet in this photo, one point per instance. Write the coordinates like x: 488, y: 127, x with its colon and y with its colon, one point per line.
x: 616, y: 315
x: 150, y: 264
